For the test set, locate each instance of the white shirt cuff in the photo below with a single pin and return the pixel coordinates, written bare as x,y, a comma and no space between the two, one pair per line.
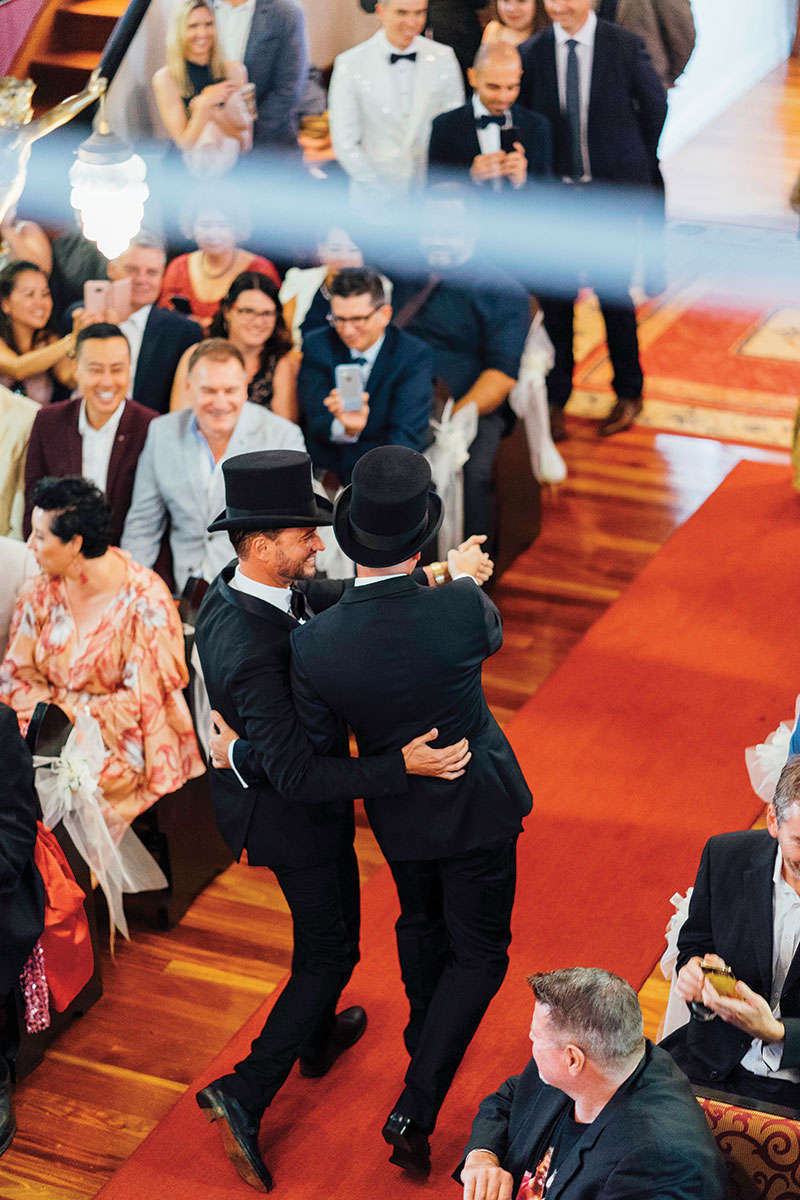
233,764
338,433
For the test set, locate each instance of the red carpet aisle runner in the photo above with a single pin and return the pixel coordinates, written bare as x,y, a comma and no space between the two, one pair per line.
634,749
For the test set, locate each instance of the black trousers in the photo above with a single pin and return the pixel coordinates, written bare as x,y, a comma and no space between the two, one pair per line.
453,935
623,346
324,903
479,503
738,1081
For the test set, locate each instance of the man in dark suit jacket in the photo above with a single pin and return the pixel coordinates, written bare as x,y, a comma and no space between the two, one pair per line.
390,655
100,435
596,85
470,136
396,372
276,58
745,913
598,1114
290,811
21,887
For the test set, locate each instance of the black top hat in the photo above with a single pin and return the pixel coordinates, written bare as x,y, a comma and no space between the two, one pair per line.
271,489
389,512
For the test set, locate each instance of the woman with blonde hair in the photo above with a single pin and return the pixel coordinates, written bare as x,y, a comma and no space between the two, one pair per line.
201,98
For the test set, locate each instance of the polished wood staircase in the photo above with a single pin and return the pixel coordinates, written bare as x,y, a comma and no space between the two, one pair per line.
64,46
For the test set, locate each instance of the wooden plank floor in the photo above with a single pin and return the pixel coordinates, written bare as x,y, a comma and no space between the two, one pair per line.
173,999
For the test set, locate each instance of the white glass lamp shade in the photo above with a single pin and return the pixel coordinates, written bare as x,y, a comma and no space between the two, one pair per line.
110,198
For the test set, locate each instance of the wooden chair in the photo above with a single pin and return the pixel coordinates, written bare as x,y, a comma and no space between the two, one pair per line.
47,734
759,1142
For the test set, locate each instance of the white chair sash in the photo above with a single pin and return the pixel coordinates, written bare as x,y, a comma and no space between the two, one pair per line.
447,454
69,791
766,761
528,399
677,1013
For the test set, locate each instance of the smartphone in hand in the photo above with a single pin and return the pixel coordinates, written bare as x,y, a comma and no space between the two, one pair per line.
349,385
508,136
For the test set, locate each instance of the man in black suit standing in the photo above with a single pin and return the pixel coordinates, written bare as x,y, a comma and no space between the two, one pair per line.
21,889
390,655
396,377
470,136
598,1112
596,85
745,914
290,811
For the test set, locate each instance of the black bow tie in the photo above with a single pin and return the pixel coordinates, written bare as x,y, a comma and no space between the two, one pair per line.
297,603
487,119
360,361
393,58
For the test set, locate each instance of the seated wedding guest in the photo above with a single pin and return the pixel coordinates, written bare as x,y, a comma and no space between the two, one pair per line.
395,372
383,95
22,898
32,355
305,291
475,318
598,1108
744,914
269,37
16,420
470,136
251,319
199,94
216,221
516,22
97,631
98,435
179,477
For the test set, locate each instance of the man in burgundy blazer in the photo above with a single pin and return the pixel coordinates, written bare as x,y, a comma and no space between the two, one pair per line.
101,434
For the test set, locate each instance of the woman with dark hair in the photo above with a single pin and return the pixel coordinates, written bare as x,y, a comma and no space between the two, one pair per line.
96,631
250,317
31,352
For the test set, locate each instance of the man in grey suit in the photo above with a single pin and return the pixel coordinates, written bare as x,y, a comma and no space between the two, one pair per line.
179,476
269,37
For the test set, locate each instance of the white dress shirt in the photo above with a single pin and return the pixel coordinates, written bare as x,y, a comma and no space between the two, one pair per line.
133,329
402,74
338,433
585,52
96,445
233,27
764,1058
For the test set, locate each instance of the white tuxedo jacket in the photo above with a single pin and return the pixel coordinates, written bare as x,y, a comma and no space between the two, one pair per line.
384,155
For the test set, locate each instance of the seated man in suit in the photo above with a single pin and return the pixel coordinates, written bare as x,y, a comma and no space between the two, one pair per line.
470,136
396,378
269,37
383,95
100,435
598,1111
745,914
179,478
596,85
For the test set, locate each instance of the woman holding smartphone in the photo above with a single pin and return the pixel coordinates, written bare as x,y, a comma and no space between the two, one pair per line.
32,356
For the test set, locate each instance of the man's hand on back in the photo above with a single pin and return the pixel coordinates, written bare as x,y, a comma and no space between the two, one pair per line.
220,736
448,762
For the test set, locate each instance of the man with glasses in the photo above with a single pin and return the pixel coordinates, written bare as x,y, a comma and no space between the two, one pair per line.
395,372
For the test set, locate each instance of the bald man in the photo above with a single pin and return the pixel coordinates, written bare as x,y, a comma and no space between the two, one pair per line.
471,136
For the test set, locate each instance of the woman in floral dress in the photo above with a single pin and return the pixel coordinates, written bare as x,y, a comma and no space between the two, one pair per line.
96,631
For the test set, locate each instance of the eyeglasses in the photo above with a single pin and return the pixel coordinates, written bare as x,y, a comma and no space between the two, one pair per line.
357,322
264,314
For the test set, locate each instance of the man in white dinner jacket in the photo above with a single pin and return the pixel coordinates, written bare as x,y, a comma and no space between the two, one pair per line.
383,96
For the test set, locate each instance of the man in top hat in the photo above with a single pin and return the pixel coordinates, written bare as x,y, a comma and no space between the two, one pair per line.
389,659
290,811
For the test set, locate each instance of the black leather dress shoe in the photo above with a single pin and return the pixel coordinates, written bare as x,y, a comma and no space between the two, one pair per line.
412,1150
348,1028
621,417
8,1125
239,1135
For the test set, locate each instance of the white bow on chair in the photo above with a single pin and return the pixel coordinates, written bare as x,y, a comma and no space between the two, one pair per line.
69,791
449,451
528,399
677,1013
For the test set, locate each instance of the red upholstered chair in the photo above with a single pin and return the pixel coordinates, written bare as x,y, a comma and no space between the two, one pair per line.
760,1144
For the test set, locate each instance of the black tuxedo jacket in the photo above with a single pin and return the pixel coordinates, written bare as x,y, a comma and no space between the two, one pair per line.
21,887
400,387
650,1142
454,140
627,104
730,914
303,816
393,660
55,448
167,335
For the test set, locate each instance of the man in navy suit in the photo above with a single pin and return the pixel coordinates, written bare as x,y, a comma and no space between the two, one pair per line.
396,373
470,136
596,85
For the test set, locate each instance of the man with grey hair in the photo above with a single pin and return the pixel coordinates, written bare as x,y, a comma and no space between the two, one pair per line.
598,1114
744,915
